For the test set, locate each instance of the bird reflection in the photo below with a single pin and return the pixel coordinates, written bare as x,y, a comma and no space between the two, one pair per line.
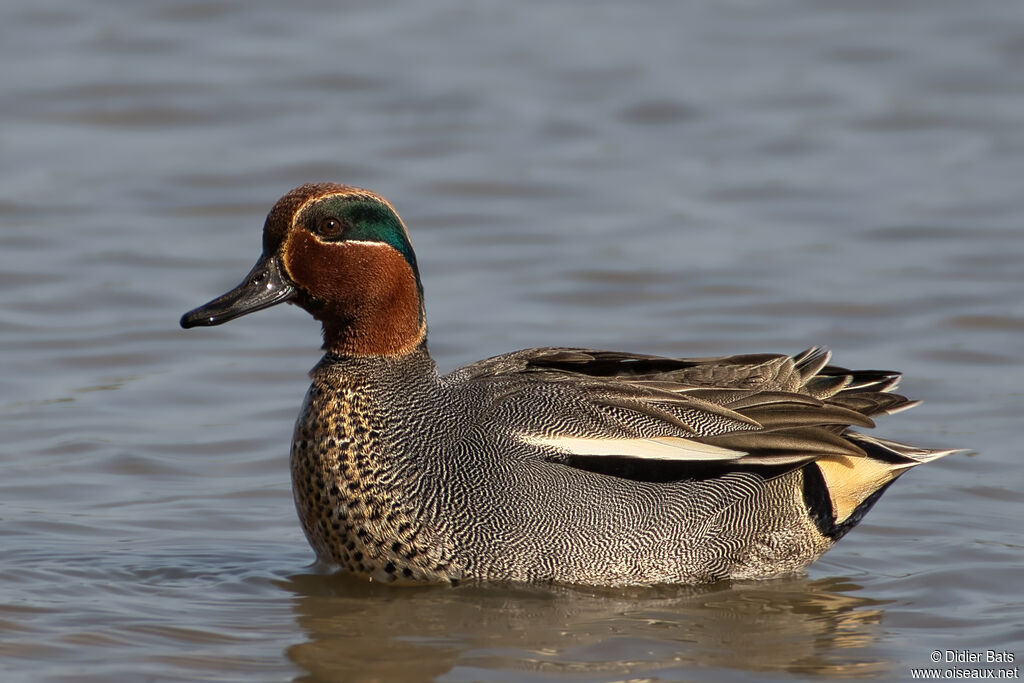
358,631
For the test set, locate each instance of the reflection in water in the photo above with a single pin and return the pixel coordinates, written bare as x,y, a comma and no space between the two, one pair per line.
365,632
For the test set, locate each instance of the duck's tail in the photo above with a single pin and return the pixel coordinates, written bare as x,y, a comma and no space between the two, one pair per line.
840,489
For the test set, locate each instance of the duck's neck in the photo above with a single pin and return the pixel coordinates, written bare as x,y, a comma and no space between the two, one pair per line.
374,332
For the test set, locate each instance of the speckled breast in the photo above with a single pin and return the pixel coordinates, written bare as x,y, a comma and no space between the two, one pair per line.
352,493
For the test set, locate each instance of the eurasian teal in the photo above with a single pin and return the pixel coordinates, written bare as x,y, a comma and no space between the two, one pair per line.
548,464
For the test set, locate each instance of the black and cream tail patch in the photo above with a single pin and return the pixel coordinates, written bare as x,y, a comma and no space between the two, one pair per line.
840,489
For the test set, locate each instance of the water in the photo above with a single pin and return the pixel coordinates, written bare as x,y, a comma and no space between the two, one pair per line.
688,179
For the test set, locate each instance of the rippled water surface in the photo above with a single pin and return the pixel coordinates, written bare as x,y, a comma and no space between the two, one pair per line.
687,179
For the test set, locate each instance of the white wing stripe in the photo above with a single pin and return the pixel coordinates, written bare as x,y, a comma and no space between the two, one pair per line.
664,448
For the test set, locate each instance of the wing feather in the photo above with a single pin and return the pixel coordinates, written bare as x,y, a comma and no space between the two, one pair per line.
683,416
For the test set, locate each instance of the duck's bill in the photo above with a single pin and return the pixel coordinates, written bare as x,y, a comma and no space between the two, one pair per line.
263,287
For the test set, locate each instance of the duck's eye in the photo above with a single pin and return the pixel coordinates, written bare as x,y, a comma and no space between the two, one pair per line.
329,227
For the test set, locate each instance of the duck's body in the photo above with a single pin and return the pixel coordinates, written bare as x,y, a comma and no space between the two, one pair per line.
563,465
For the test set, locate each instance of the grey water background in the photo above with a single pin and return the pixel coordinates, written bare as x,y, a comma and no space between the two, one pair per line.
676,178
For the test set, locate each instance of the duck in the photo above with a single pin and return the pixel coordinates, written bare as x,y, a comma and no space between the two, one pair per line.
549,465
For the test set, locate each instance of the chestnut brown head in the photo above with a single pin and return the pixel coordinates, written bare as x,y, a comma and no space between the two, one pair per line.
343,254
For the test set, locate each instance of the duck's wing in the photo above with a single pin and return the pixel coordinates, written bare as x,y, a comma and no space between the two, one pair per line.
661,418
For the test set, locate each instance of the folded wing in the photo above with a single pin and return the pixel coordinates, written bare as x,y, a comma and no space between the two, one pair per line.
655,418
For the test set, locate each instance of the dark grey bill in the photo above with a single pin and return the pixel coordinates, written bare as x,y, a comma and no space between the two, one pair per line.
263,287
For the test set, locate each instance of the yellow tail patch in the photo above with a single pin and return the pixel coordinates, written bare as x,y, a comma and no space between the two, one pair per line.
850,480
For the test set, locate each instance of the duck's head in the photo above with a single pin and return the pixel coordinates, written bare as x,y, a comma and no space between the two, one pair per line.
342,254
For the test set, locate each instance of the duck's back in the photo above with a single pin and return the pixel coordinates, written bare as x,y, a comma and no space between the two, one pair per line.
589,467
